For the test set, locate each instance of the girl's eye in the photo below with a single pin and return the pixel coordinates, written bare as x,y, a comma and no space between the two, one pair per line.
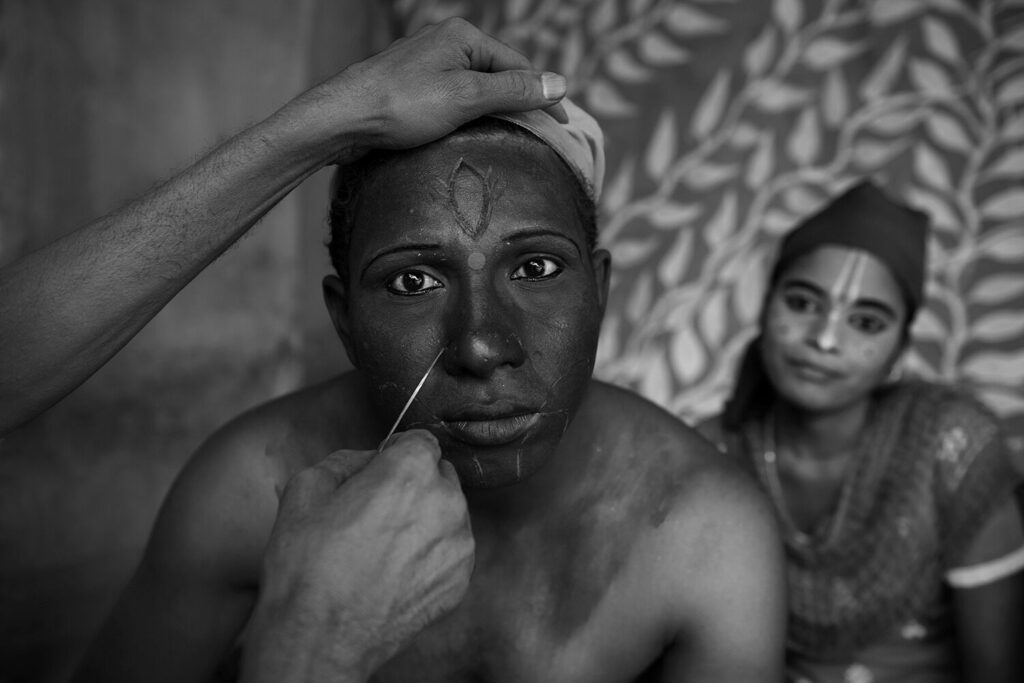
800,303
537,268
869,324
412,282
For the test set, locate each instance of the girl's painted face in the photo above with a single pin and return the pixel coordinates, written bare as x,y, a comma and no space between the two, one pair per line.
475,248
832,328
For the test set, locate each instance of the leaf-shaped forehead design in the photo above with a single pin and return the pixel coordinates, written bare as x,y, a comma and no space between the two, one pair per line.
470,193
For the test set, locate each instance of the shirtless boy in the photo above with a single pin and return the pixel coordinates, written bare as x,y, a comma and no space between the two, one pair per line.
611,544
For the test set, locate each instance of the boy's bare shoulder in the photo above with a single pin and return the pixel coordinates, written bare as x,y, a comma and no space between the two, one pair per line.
223,503
708,530
677,469
296,430
677,445
712,429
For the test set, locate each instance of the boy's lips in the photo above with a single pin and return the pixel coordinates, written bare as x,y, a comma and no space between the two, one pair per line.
490,430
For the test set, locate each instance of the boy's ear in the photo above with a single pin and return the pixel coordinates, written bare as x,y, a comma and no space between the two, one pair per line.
336,299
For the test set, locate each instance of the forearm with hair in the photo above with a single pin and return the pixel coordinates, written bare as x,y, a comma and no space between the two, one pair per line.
68,307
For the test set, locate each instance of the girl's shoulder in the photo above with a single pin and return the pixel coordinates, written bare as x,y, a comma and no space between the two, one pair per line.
946,423
945,404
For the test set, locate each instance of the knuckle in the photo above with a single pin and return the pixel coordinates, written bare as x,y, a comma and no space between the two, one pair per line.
507,85
412,466
418,441
468,547
458,518
458,553
448,472
457,504
423,437
467,89
402,464
520,85
457,24
449,516
413,458
304,480
421,453
465,564
343,464
387,466
428,28
300,489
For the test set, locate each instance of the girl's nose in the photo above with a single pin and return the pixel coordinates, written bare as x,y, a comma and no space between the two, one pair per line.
825,334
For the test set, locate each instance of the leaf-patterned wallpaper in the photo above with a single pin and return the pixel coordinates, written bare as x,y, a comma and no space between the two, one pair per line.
727,121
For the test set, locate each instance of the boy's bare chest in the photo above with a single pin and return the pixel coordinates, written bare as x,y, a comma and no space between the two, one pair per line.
536,610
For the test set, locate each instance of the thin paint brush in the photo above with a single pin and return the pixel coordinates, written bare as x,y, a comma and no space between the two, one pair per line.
411,399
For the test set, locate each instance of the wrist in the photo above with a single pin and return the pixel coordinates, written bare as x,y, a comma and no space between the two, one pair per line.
296,641
325,127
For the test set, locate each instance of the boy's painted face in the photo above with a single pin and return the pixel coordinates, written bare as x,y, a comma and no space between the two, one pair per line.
832,328
474,247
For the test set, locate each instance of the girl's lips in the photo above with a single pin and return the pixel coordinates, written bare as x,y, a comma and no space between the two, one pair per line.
812,372
491,431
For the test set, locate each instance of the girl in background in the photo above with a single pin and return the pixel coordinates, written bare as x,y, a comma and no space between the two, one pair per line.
904,544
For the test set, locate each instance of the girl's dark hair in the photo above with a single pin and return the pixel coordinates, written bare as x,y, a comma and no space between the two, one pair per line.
350,182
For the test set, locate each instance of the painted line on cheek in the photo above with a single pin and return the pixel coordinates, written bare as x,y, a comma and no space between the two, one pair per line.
551,387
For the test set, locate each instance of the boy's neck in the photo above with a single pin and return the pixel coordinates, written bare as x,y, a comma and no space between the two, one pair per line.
516,503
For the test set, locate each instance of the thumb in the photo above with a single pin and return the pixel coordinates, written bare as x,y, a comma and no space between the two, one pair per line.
341,465
322,479
515,90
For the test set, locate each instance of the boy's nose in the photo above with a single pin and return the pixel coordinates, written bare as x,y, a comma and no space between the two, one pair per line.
481,341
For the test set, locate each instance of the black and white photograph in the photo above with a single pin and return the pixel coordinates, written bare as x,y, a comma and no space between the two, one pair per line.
512,341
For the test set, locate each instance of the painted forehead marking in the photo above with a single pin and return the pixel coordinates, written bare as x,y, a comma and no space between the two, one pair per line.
476,260
470,194
850,280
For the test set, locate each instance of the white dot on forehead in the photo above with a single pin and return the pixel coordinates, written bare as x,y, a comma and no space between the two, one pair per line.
476,260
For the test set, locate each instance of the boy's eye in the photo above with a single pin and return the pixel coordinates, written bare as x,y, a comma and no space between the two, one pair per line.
800,303
869,324
537,268
412,282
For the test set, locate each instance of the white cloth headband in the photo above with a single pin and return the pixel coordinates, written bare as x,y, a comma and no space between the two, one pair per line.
579,142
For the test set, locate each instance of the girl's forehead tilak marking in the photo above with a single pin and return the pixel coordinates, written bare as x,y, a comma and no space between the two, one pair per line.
850,280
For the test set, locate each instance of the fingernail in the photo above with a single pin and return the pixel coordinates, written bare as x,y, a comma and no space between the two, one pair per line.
552,85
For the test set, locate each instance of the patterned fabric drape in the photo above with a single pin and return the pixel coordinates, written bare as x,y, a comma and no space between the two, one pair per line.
728,121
